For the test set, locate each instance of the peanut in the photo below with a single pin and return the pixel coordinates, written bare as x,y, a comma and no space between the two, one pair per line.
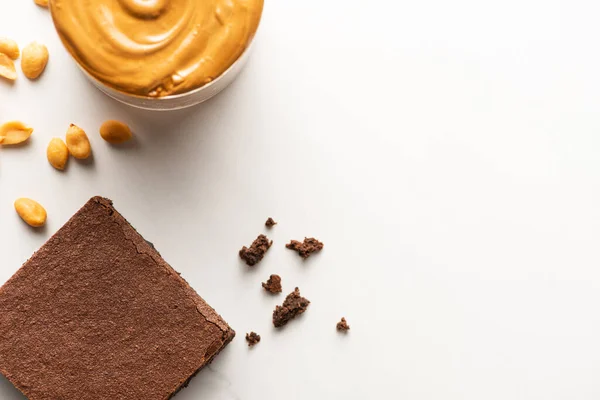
78,142
9,47
31,212
14,132
115,132
57,153
34,60
41,3
7,68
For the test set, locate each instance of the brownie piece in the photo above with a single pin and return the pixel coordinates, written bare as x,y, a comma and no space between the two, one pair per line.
270,223
252,338
306,248
343,326
257,250
293,305
273,284
97,314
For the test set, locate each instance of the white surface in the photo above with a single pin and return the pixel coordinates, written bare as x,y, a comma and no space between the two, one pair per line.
446,152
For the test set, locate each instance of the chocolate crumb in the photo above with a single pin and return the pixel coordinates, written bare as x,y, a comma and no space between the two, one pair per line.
252,338
306,248
273,285
270,223
293,306
343,326
257,250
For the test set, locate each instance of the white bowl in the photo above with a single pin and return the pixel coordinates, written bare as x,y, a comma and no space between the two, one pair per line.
175,101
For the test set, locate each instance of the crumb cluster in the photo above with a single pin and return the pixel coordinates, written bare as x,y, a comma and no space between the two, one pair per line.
307,248
257,250
293,305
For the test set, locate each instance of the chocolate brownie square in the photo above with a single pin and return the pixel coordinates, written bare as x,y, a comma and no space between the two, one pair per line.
97,314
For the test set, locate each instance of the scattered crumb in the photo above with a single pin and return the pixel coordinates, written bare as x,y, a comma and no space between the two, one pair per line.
252,338
310,245
293,306
343,326
273,285
270,223
257,250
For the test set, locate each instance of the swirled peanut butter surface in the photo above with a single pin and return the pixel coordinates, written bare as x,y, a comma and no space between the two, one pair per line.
156,47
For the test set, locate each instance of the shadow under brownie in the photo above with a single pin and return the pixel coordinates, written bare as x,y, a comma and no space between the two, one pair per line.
97,313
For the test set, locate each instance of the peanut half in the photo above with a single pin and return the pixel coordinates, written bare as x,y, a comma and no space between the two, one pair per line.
7,68
14,132
41,3
34,60
57,153
115,132
31,212
9,47
78,142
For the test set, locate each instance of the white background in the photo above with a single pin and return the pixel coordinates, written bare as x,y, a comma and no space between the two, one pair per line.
446,152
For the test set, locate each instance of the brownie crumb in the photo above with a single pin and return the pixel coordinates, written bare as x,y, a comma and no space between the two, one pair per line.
252,338
293,306
257,250
270,223
273,285
306,248
343,326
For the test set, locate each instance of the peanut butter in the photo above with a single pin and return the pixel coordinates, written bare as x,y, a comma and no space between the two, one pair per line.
156,48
